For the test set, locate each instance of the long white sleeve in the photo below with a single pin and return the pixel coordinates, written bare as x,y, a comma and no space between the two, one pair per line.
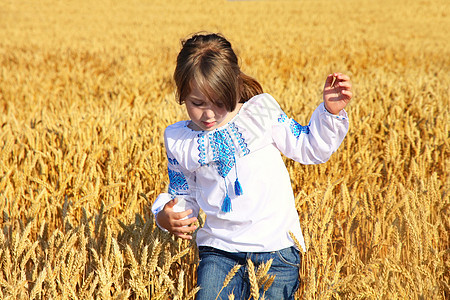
314,143
182,186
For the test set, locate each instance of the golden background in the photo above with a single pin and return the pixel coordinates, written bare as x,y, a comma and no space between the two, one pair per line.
85,95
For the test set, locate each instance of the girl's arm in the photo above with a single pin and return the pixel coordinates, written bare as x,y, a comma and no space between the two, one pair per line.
327,128
169,214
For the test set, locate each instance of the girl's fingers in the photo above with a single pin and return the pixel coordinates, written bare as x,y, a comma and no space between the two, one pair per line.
184,223
347,93
188,229
189,221
184,232
183,214
341,76
344,84
337,80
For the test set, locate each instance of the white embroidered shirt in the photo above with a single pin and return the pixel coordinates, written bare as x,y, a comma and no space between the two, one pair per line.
204,166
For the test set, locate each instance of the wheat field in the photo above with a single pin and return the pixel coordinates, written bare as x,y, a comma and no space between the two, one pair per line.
86,93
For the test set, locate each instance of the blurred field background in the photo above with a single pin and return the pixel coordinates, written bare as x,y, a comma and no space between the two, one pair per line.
85,95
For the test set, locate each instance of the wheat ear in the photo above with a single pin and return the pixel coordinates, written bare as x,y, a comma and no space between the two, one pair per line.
254,289
228,278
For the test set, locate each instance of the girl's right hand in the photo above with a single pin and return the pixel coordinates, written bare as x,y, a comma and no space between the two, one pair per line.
175,222
337,92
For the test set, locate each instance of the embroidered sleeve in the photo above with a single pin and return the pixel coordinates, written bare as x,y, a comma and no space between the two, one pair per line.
182,185
313,143
178,183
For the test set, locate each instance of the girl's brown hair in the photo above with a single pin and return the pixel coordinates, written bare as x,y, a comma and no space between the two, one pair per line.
211,62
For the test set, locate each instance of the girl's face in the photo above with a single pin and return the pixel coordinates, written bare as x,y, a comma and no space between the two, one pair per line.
203,113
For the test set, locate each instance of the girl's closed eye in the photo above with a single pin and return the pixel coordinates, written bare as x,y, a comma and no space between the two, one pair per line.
220,105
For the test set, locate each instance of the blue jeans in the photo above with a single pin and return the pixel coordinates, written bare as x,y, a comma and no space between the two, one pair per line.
215,264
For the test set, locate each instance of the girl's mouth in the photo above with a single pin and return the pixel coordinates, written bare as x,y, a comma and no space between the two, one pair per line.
209,124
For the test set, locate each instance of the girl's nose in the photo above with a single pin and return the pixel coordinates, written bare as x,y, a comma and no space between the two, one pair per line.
208,113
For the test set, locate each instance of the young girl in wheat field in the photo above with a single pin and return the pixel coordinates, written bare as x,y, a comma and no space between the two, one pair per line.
226,160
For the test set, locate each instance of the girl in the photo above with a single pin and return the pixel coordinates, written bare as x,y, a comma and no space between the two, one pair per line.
226,160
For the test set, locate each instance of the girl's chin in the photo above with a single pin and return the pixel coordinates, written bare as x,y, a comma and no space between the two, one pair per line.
204,126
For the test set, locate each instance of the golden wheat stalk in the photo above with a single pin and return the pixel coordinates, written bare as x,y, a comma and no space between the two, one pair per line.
254,288
228,278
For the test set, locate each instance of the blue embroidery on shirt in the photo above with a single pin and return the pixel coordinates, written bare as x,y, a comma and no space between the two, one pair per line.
223,148
223,151
201,149
173,161
240,139
295,127
178,183
283,118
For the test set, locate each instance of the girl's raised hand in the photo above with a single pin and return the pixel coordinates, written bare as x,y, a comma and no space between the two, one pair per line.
176,222
337,92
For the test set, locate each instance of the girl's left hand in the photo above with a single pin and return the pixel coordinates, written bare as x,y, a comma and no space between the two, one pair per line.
337,94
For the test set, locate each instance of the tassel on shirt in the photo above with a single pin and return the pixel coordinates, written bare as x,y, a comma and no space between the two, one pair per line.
237,185
226,205
238,188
